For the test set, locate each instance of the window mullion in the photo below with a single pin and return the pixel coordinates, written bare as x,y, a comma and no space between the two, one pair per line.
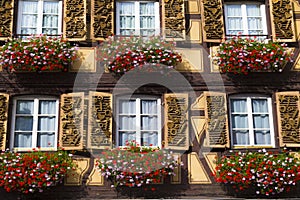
250,123
40,17
137,18
35,123
244,19
159,121
138,121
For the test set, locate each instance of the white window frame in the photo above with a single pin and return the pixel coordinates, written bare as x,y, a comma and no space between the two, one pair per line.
244,16
138,118
249,99
137,30
39,27
36,100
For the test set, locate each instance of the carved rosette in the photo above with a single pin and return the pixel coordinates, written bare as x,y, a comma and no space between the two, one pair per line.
102,19
100,120
75,20
212,20
71,121
174,20
282,20
6,18
176,118
3,119
288,116
217,122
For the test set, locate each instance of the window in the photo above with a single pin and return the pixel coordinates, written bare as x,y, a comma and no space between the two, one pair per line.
251,121
139,119
245,19
137,18
34,123
39,16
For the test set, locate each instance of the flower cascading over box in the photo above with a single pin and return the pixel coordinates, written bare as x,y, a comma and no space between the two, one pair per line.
37,53
240,55
136,166
122,54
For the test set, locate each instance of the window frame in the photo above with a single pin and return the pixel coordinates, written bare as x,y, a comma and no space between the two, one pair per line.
139,130
244,16
39,26
250,127
36,100
137,30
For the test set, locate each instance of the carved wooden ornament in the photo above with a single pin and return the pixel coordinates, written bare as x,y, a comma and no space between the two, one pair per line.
100,120
102,19
4,101
71,121
288,106
216,119
74,23
282,18
176,121
6,18
212,20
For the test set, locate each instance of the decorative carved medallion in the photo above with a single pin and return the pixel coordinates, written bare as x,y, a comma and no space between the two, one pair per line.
100,120
212,20
71,121
174,19
288,114
216,116
6,18
177,135
3,119
102,19
283,20
75,20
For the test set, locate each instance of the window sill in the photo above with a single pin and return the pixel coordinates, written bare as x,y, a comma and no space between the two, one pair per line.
253,146
34,149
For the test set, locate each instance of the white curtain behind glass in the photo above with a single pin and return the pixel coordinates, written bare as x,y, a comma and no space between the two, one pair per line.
149,122
127,121
29,17
234,21
254,20
127,18
147,18
239,119
50,18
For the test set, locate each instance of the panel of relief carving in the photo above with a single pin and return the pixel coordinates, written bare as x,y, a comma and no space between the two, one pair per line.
212,20
100,120
75,20
71,121
102,19
3,119
174,20
216,116
288,114
176,119
6,18
282,20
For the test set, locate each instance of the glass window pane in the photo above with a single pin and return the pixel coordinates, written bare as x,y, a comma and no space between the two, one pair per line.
261,121
262,137
239,121
24,107
47,107
23,140
46,124
149,107
147,8
24,123
150,139
125,137
238,105
260,105
234,10
253,10
149,123
46,139
127,106
127,123
241,138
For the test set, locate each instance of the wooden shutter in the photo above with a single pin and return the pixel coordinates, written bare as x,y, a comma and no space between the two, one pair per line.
6,18
216,119
282,20
102,19
173,19
176,121
212,20
74,23
100,120
71,121
288,105
4,101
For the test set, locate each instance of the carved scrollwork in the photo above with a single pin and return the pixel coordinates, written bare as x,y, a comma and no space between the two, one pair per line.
75,19
212,19
102,19
3,119
174,19
6,18
283,21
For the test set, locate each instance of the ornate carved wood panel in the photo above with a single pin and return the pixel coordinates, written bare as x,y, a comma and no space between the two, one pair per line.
100,120
71,121
283,26
288,118
102,19
212,20
176,119
4,98
173,19
6,18
217,122
75,20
